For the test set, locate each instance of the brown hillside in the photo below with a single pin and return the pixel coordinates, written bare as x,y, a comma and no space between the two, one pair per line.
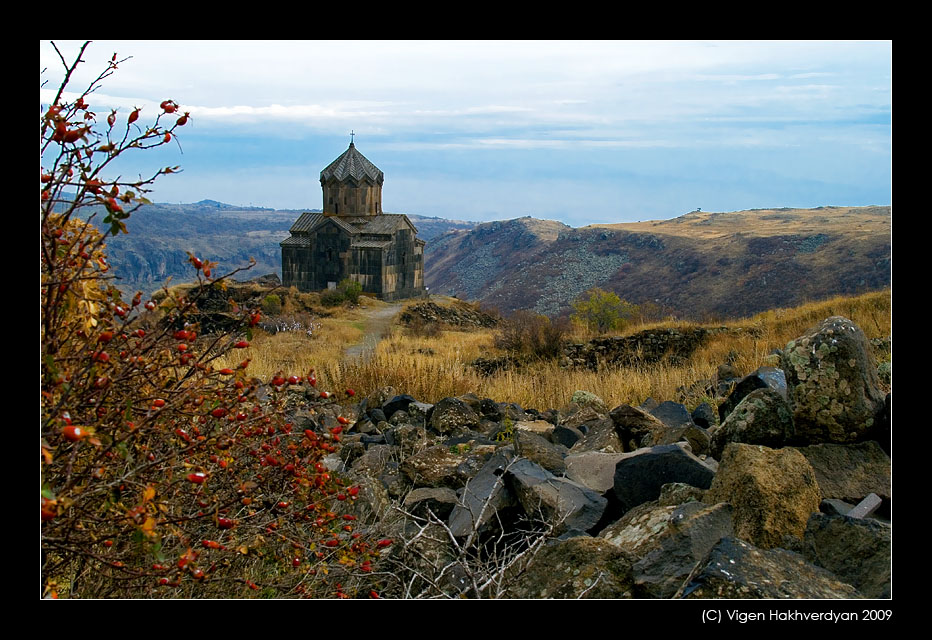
699,265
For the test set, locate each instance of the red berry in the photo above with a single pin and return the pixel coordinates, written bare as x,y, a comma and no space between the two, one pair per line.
73,433
197,478
242,344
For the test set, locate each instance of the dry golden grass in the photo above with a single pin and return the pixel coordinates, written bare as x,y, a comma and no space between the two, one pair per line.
432,368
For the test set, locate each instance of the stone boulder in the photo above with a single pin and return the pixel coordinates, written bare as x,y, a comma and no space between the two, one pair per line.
672,414
424,501
691,531
541,451
850,472
833,385
435,466
735,569
600,436
773,492
637,428
579,567
543,496
762,417
640,477
483,497
452,416
764,378
857,550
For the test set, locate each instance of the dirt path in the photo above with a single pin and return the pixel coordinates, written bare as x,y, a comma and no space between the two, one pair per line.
378,322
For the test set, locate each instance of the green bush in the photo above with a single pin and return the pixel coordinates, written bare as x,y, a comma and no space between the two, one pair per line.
603,311
350,290
272,304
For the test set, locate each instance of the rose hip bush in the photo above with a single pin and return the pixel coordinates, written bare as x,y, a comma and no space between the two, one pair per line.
162,475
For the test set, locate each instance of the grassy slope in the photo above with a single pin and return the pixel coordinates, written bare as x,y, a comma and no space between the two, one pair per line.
431,368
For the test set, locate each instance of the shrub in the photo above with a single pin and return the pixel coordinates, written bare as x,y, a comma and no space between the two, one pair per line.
350,290
162,475
603,311
532,334
272,304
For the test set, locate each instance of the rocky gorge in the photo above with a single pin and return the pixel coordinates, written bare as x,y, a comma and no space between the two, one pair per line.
781,490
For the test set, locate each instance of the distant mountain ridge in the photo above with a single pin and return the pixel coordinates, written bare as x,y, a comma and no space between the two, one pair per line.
161,234
699,265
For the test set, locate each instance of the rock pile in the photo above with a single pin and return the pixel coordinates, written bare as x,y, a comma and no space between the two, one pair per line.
461,315
790,491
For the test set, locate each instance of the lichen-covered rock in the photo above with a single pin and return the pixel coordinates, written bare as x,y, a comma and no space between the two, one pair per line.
587,398
773,492
762,378
736,569
857,550
762,417
600,436
541,451
850,472
832,383
452,416
637,428
580,567
434,467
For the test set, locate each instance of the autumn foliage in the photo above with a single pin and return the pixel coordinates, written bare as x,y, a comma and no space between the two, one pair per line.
161,474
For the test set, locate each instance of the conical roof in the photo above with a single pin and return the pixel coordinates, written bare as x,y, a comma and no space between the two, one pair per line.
352,164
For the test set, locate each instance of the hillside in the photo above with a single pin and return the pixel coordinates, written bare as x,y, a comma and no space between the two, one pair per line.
701,264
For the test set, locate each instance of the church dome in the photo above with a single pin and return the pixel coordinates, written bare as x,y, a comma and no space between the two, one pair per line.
352,164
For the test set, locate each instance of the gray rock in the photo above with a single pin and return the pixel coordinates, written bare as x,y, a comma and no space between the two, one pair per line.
833,384
736,569
397,403
483,497
451,416
850,472
705,416
541,451
693,530
600,436
762,417
578,567
637,428
640,477
763,378
672,414
566,435
856,550
593,469
554,500
438,500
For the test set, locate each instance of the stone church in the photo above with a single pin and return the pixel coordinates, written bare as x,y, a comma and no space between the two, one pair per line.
352,238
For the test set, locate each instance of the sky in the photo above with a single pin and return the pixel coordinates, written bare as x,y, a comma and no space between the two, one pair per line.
579,131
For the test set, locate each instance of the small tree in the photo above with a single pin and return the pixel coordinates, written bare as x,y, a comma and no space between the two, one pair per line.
350,290
602,311
162,475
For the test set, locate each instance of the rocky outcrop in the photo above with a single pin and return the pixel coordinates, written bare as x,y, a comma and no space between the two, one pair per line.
494,500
